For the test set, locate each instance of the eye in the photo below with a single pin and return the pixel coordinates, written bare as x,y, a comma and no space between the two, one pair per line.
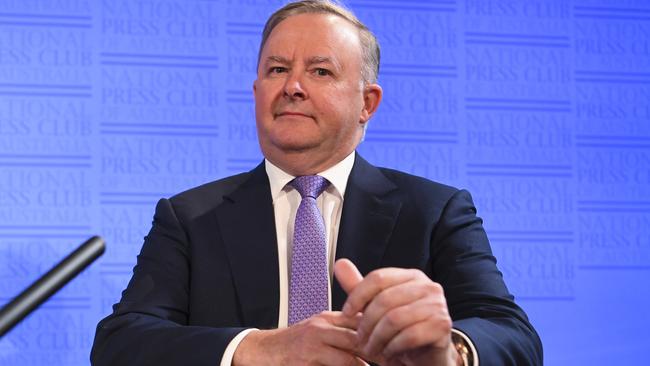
277,70
322,72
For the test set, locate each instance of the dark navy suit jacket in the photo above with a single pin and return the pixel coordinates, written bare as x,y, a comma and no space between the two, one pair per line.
209,268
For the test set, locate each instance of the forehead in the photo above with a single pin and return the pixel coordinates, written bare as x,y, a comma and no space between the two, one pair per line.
313,35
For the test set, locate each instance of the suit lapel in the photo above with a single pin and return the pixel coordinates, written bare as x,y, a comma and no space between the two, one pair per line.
367,221
247,225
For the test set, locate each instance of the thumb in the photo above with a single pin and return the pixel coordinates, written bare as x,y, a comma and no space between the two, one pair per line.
347,274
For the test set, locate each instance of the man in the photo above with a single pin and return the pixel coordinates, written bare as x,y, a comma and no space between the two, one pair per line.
219,273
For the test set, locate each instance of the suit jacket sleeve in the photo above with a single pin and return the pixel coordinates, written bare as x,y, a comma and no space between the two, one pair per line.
151,324
477,297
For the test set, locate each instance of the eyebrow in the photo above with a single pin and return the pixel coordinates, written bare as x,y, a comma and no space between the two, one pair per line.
319,60
278,59
311,61
324,60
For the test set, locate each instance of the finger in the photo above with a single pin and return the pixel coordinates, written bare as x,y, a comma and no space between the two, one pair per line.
347,274
339,319
396,296
374,283
341,338
397,320
331,356
435,333
335,329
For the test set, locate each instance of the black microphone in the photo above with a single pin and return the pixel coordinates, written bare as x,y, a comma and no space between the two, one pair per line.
49,283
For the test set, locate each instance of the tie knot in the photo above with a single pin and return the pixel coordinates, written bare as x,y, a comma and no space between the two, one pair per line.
310,185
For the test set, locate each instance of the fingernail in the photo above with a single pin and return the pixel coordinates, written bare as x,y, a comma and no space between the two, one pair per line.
347,309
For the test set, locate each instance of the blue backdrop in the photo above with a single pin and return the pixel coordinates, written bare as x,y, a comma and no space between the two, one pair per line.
540,108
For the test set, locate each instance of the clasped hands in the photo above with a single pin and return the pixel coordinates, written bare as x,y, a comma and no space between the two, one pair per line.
392,317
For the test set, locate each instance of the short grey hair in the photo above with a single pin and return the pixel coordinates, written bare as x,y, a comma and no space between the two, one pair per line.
369,44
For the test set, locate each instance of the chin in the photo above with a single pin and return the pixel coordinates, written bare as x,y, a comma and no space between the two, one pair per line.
297,139
295,146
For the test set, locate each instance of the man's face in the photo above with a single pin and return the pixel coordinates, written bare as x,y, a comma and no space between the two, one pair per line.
310,101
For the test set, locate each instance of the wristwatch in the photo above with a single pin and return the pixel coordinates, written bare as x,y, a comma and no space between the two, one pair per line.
463,349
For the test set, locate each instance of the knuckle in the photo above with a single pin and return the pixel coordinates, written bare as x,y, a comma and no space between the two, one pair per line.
416,273
393,318
354,301
445,324
435,287
440,310
382,300
326,314
377,277
411,337
313,323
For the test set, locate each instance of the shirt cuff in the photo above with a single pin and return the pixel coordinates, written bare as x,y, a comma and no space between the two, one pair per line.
469,344
226,359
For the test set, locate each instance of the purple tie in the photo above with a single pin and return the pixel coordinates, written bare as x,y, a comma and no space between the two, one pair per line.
308,283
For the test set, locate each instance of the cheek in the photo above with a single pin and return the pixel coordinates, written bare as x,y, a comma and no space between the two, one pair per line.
265,95
339,101
263,106
345,109
351,99
262,116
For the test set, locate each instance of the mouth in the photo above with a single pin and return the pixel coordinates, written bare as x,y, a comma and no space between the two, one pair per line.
291,114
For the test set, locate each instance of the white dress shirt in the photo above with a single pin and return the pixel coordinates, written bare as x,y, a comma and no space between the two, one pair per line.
286,200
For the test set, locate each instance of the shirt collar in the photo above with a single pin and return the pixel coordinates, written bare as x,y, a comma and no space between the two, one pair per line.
337,175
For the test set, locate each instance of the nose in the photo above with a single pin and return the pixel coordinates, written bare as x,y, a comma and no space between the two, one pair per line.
293,88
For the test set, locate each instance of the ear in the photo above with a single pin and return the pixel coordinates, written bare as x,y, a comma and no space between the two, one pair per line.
372,94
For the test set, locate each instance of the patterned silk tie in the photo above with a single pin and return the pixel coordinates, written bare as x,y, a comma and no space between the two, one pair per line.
308,284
